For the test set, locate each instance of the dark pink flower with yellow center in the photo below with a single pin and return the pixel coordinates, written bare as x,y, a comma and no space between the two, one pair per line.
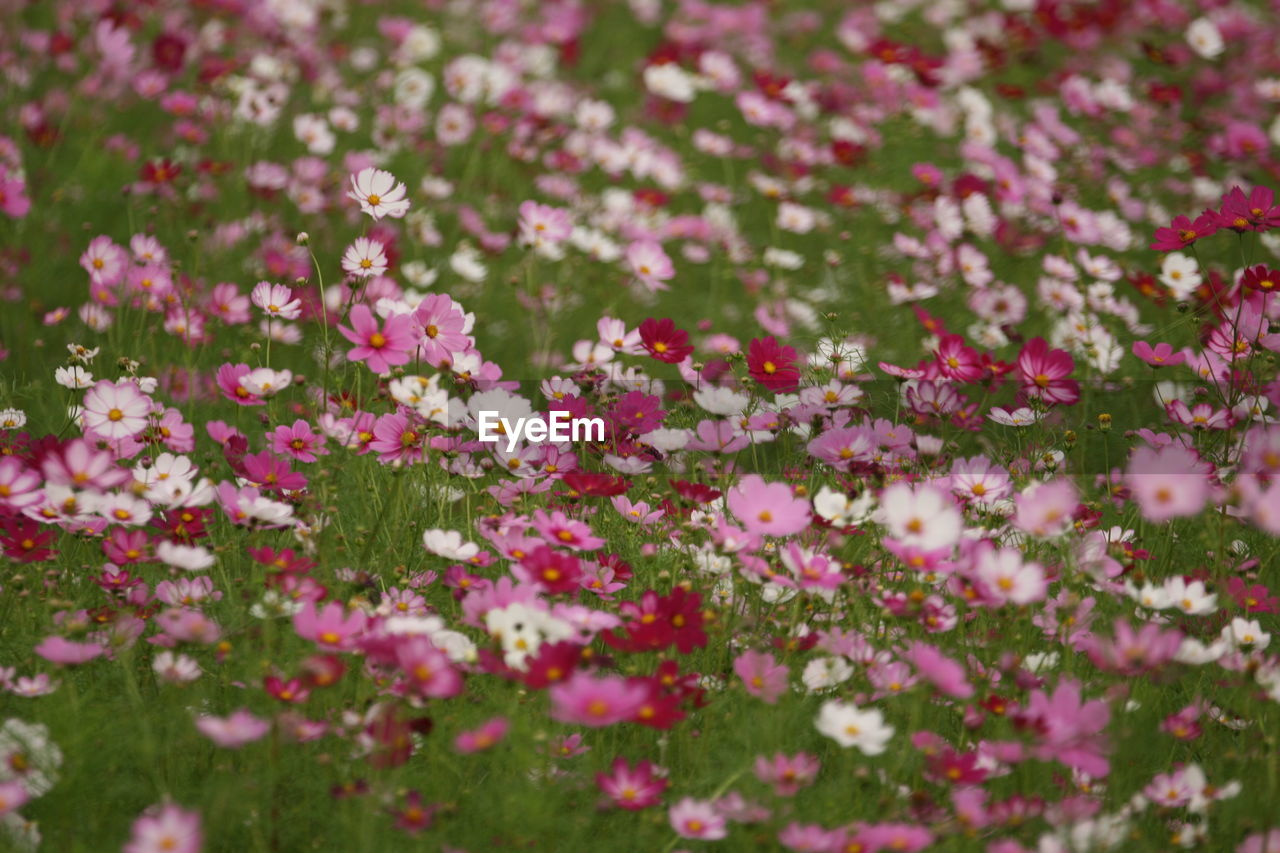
1043,373
380,347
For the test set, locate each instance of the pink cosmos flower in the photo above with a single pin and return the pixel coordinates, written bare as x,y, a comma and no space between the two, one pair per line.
1045,510
699,819
228,379
298,441
1043,373
428,671
1261,842
116,410
979,479
787,773
650,264
444,328
13,796
181,625
1133,652
228,304
1069,729
330,627
541,224
1005,578
166,829
939,670
631,788
19,485
105,262
762,675
276,300
564,532
397,439
921,516
843,446
234,731
768,509
907,838
63,651
381,348
489,734
1168,482
1161,355
364,258
597,702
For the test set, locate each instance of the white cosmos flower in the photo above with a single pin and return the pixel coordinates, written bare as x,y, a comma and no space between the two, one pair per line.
670,81
1246,632
1181,274
264,382
721,401
191,558
449,544
822,673
842,510
849,725
74,377
27,754
1205,39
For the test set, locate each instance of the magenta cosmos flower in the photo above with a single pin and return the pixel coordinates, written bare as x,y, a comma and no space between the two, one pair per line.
1161,355
1044,371
589,701
116,410
330,627
768,509
380,347
631,788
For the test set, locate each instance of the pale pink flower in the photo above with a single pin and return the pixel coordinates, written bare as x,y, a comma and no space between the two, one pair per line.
234,731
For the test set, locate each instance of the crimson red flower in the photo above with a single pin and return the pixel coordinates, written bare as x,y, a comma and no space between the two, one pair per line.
1261,278
661,621
956,768
772,364
659,710
553,663
664,341
25,540
159,171
696,492
586,484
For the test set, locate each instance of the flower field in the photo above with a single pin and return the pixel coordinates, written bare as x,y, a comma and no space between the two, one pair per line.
929,491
